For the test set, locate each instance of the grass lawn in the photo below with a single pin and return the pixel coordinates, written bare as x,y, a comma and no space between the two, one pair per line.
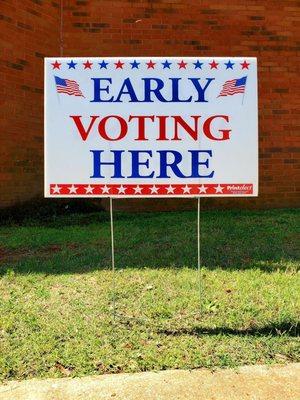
56,297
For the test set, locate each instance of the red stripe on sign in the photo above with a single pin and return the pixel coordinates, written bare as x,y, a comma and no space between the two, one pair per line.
79,189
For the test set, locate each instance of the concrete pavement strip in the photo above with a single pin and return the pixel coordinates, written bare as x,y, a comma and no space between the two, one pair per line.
259,382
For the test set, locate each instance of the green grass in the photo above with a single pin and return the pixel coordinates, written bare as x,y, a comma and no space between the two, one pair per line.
56,293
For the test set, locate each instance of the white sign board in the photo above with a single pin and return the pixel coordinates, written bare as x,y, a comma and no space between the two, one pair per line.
151,127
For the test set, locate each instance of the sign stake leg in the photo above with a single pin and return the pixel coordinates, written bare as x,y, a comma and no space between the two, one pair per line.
199,255
112,257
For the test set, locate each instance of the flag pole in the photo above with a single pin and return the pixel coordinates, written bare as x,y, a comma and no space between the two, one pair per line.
244,91
243,97
57,94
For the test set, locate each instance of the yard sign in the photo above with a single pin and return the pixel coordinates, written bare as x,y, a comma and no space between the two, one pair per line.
151,127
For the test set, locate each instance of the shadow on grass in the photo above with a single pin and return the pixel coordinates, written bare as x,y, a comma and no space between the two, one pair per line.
291,329
235,240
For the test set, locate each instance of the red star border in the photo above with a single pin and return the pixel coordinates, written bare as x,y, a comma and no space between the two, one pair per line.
150,189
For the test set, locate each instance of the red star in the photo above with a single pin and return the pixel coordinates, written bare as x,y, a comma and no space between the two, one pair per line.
119,64
150,64
213,65
56,65
182,64
245,65
87,65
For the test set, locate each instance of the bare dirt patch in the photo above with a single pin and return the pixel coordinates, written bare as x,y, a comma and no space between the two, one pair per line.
14,255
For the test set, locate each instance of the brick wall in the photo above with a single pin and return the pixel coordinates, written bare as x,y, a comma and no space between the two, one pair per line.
28,32
265,29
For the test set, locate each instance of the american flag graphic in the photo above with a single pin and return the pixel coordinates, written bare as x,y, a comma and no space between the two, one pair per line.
67,86
233,86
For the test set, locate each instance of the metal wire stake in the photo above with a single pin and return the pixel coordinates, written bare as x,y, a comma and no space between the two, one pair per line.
112,256
199,254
